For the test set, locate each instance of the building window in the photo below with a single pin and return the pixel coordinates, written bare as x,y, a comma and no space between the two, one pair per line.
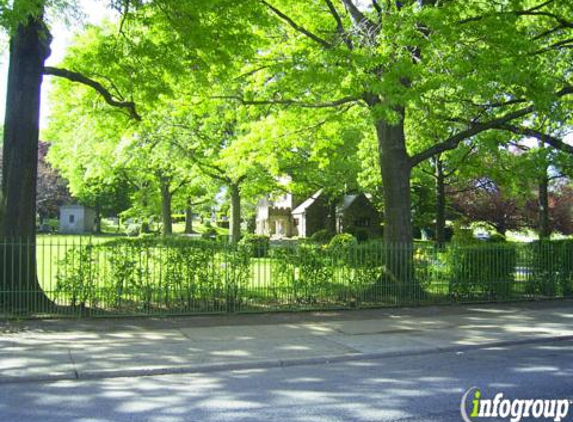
362,222
72,219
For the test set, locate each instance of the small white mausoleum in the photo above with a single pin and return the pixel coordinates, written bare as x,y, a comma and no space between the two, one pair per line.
76,219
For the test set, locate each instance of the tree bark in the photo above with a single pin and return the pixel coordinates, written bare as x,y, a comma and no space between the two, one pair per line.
501,228
235,223
166,200
188,217
398,233
331,225
29,48
97,211
440,202
396,172
544,225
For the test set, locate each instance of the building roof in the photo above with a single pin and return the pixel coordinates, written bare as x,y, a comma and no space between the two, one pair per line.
301,209
72,206
346,202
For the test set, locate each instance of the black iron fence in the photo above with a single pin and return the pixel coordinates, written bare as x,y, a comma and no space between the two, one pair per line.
103,276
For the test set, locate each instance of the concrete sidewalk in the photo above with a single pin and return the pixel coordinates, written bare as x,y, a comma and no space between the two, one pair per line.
70,349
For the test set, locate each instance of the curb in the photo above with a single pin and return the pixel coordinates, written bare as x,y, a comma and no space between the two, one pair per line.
268,364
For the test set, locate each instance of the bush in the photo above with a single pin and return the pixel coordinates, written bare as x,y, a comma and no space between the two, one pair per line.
155,273
77,276
133,230
464,237
257,245
209,233
301,273
341,241
322,236
551,268
481,271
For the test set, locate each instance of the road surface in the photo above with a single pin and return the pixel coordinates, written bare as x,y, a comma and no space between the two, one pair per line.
428,387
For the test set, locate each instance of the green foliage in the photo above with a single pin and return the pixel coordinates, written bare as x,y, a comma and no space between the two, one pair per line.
77,276
301,272
257,245
149,273
483,272
342,241
321,236
346,271
210,233
463,237
551,264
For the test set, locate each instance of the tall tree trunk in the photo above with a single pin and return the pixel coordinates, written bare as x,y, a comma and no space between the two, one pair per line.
235,224
97,211
166,200
29,48
396,172
440,202
544,226
188,217
145,226
398,233
331,225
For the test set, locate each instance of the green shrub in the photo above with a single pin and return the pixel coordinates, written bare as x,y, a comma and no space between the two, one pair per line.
301,273
322,236
341,241
257,245
209,233
464,237
77,276
155,273
283,270
126,272
551,268
481,271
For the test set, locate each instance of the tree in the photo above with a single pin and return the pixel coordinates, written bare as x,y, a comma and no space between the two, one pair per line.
396,61
317,153
489,204
29,48
52,190
213,136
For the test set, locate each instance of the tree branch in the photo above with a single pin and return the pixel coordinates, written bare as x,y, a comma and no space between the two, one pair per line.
475,129
296,26
107,96
554,141
302,104
360,20
339,24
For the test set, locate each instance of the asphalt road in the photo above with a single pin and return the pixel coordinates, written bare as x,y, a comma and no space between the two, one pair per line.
419,388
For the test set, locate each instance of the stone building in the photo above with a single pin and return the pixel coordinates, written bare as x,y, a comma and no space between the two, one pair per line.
356,214
76,219
274,216
312,215
285,218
